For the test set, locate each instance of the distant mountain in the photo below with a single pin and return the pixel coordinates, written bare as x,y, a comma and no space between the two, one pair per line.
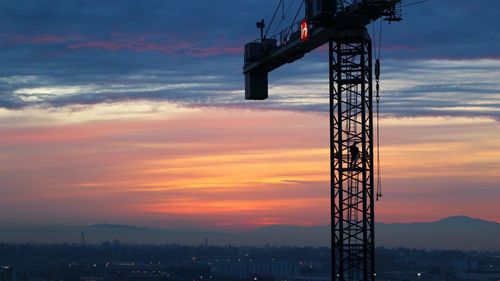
450,233
116,226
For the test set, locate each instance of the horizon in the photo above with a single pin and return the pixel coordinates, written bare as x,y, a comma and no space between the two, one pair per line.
475,235
6,225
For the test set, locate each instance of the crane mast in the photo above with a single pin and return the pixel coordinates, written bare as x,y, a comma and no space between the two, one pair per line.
342,26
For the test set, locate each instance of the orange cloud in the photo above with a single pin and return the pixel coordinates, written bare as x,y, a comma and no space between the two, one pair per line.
234,168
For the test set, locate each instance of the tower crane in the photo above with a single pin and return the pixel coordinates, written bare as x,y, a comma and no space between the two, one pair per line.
342,25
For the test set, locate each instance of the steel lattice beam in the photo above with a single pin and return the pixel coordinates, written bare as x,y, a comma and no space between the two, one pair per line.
351,124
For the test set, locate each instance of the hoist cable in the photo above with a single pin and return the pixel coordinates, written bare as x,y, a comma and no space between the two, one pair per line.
414,3
377,79
284,13
379,40
295,18
379,170
274,16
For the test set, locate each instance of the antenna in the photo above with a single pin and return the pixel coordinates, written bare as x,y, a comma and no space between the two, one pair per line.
261,25
84,243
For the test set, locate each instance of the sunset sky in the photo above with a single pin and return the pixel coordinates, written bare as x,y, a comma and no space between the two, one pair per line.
133,112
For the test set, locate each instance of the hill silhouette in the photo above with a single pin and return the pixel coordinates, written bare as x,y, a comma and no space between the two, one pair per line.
459,232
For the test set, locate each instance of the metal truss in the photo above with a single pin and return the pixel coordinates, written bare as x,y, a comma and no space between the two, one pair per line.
351,125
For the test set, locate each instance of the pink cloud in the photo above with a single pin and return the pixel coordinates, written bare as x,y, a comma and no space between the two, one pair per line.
162,43
214,51
140,45
43,39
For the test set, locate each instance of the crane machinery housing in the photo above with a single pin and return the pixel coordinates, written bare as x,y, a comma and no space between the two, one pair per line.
341,24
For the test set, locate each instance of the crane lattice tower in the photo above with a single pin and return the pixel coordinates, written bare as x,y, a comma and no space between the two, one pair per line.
341,25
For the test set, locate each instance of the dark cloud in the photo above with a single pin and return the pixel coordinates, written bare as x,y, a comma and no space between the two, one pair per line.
445,29
60,53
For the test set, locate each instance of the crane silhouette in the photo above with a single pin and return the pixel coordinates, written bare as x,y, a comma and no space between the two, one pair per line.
341,25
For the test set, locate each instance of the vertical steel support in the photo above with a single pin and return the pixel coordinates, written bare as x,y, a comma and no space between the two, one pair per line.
351,125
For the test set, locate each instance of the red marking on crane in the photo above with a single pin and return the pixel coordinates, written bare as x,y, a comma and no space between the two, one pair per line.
304,31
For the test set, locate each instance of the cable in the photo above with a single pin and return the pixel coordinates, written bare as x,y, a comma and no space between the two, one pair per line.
414,3
379,40
374,39
377,51
377,80
284,13
295,18
274,16
379,170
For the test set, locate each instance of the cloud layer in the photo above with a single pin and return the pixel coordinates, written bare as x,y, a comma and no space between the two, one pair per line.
67,53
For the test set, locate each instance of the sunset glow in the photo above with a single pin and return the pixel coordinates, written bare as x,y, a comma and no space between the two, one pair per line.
234,169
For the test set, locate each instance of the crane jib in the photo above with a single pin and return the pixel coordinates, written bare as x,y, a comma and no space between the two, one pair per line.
323,21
